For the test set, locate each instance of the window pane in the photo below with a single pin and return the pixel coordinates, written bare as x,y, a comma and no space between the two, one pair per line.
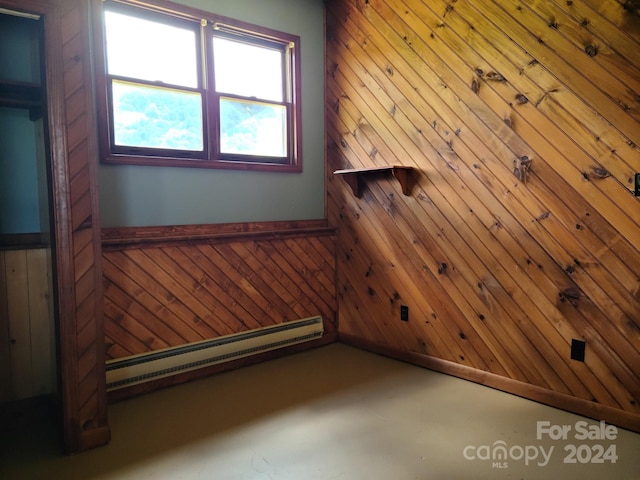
150,51
156,117
251,128
248,70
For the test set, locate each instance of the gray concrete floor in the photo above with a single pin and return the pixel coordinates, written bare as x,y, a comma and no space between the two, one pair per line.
330,413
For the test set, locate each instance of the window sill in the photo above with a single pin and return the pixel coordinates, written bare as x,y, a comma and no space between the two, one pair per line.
200,163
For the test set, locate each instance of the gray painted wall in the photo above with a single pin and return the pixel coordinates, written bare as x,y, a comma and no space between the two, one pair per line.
144,196
20,194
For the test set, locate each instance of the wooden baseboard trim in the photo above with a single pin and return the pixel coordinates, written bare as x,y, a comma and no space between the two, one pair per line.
144,388
93,437
562,401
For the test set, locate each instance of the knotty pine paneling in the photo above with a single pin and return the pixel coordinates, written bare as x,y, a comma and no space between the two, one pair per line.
169,286
522,123
27,369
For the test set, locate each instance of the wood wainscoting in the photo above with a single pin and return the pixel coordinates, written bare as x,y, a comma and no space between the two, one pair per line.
170,286
521,233
27,354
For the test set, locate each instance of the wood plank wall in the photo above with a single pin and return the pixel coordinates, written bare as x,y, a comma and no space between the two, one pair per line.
169,286
26,325
521,233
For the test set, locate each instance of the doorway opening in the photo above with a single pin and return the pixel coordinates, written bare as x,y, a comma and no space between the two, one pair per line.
28,372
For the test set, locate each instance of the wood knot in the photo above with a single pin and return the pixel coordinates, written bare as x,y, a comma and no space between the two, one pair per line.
475,85
632,6
521,168
334,69
571,295
495,77
591,50
599,172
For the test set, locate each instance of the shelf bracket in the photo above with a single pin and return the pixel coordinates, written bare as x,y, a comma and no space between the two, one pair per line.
355,177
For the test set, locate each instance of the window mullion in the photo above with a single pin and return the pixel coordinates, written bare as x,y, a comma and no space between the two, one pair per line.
287,73
213,110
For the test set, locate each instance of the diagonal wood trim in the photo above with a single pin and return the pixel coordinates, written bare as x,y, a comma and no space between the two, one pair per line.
166,286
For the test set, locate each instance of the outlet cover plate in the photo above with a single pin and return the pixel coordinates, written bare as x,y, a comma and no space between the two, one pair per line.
577,349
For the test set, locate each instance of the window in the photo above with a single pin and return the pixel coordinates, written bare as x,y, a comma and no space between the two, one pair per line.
183,88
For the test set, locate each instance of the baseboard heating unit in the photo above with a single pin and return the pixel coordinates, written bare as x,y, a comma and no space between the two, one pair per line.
123,372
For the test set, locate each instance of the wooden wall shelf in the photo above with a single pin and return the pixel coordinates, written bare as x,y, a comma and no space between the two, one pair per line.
22,95
355,177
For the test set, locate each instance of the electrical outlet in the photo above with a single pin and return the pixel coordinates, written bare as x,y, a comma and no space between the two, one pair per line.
404,313
577,349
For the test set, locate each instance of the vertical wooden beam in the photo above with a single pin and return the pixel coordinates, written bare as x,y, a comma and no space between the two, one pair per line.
81,357
77,249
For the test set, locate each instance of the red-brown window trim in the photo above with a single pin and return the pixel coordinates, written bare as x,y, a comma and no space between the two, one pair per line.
181,12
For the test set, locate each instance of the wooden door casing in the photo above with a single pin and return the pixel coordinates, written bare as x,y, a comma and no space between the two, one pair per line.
76,247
